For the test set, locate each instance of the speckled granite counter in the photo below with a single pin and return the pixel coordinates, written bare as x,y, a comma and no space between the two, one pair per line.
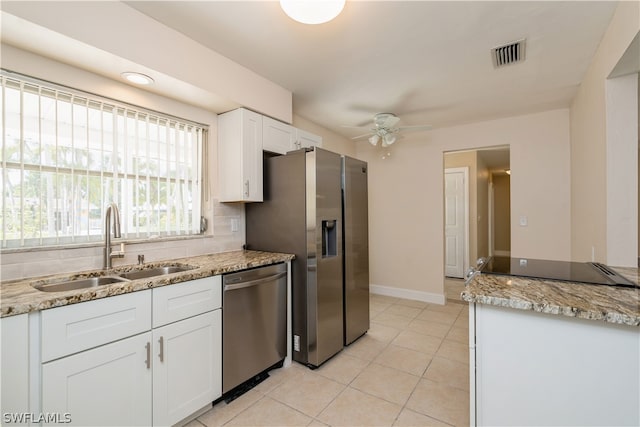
595,302
19,296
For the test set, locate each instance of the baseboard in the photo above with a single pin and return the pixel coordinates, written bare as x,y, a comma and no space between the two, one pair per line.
407,294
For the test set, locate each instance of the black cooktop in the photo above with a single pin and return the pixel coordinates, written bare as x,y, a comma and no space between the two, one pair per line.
583,272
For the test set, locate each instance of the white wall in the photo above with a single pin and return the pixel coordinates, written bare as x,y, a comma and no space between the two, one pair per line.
589,222
406,198
219,238
622,169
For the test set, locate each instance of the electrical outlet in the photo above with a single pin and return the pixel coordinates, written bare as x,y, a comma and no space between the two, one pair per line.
296,343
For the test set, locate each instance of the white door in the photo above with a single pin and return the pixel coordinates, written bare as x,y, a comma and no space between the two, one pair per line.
108,385
455,221
187,369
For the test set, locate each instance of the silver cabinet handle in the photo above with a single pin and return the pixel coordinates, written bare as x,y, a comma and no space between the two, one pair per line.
161,341
246,188
148,361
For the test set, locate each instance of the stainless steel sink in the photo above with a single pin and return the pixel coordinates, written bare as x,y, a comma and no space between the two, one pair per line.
154,271
91,282
71,285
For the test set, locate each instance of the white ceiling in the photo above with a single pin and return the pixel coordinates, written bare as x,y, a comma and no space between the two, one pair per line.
429,62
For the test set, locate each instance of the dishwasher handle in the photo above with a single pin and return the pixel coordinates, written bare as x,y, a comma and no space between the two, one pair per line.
254,282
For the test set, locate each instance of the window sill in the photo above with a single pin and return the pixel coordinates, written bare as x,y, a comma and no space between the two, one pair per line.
114,242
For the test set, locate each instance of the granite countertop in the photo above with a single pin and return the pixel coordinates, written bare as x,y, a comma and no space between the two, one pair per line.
19,296
585,301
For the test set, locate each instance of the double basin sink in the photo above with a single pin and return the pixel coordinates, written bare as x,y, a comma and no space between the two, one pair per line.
91,282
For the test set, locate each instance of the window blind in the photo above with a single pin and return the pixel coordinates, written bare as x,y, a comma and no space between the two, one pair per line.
66,154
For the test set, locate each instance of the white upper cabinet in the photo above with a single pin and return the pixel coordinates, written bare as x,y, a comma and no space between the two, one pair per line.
281,138
240,156
277,137
242,136
306,139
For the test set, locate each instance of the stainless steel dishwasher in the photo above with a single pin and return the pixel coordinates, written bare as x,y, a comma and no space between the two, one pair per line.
254,323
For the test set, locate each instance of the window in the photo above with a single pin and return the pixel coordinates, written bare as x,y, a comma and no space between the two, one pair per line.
67,154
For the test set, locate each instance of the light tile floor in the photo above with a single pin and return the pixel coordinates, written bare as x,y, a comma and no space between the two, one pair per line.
410,369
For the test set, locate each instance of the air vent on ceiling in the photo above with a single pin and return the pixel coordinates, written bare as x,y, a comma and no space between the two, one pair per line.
508,54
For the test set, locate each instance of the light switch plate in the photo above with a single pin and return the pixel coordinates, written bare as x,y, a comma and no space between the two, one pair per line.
523,221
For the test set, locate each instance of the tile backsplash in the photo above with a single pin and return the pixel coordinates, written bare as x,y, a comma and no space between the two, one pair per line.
219,238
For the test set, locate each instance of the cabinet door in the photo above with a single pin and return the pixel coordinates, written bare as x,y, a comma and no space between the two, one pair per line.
15,364
187,372
240,156
108,385
306,139
277,137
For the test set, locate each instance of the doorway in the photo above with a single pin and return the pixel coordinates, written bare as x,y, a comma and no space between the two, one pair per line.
476,224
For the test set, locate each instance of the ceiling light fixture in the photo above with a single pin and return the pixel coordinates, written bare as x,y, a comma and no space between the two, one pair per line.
383,135
137,78
388,139
312,11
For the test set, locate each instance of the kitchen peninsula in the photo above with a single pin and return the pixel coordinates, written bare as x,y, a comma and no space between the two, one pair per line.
550,352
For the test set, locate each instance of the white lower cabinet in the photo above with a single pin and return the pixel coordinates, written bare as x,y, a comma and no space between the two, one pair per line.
186,367
109,385
535,369
130,377
14,331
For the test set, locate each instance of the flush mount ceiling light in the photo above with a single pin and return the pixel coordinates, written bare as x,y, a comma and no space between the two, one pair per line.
312,11
137,78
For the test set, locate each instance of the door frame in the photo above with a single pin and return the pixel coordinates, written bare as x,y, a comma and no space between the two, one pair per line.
465,255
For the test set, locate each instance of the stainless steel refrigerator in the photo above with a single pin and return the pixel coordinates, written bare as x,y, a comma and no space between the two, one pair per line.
302,213
356,248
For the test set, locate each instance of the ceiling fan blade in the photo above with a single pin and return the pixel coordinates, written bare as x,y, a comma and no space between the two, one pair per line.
362,136
414,128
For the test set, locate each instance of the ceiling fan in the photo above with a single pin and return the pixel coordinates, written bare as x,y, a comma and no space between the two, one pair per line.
385,130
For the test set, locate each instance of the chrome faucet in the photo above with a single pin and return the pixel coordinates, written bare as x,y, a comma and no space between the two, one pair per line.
107,252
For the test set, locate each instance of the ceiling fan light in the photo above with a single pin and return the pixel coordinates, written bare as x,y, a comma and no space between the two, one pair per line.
312,11
389,139
373,140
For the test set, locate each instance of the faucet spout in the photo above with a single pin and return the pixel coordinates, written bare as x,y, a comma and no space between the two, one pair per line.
112,209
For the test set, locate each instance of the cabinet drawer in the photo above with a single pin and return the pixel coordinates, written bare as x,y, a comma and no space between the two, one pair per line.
177,302
70,329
